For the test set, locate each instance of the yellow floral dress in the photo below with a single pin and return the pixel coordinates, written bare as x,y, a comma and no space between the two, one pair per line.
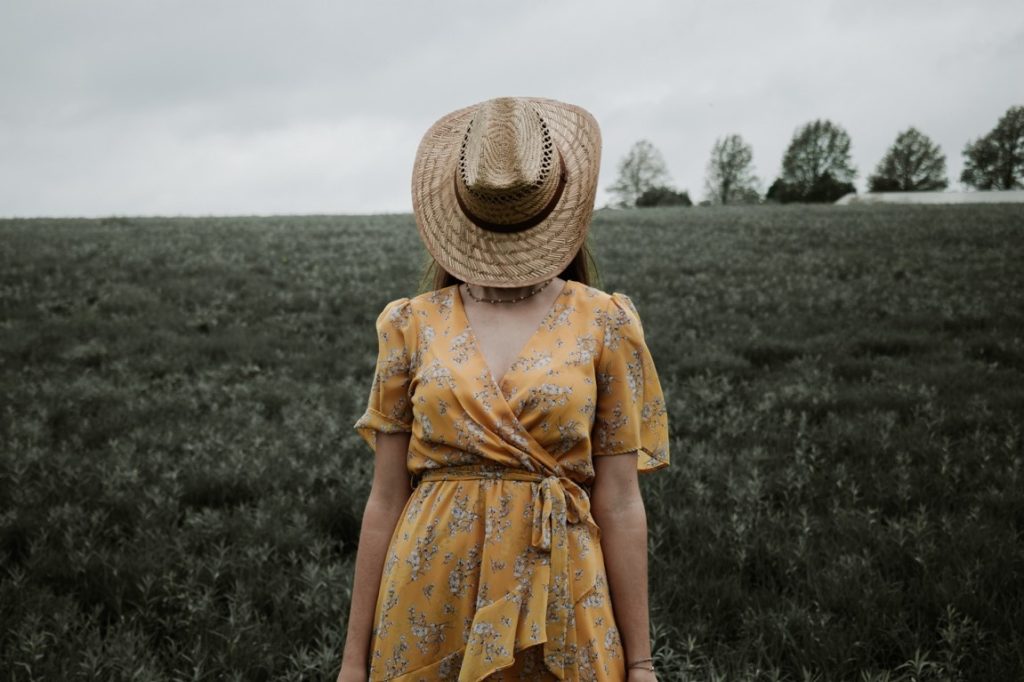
495,569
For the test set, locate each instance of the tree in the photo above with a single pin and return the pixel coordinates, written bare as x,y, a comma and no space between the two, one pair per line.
816,166
823,190
996,161
640,170
664,196
730,177
914,163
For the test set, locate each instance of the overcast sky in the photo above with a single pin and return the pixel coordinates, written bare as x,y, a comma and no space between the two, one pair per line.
229,107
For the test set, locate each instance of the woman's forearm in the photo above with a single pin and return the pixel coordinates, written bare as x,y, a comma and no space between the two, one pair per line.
379,520
624,545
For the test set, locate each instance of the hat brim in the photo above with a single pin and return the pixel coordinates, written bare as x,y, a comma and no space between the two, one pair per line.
487,258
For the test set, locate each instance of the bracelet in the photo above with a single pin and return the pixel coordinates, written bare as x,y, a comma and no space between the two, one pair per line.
642,660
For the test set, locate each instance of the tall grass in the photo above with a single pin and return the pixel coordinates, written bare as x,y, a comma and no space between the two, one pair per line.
181,489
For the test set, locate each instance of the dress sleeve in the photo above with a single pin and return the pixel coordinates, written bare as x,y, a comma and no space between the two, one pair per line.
630,414
389,409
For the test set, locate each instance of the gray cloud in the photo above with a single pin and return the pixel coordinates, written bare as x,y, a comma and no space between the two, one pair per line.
307,107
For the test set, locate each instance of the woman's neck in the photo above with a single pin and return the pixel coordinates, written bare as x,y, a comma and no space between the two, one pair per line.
504,293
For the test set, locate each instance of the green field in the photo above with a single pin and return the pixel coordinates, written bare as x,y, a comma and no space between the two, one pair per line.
181,488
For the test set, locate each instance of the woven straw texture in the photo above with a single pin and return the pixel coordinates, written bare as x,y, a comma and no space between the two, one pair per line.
502,161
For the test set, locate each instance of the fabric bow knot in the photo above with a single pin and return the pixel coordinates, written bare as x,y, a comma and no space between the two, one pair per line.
561,501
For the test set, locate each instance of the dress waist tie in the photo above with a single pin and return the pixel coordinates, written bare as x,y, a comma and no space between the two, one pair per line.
562,501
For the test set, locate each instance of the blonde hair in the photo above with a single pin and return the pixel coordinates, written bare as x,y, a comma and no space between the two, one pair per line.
582,268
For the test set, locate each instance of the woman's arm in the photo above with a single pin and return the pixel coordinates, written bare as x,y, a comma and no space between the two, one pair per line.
388,494
618,508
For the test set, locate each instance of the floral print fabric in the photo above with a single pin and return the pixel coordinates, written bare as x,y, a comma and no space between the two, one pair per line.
493,573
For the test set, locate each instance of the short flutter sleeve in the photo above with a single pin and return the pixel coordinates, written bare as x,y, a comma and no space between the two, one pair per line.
389,409
631,414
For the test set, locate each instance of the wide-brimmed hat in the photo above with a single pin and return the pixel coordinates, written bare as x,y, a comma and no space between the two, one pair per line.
503,190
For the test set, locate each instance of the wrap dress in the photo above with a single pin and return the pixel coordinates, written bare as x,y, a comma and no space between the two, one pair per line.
495,569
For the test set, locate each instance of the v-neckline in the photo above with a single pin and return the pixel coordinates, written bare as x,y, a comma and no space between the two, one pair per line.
478,350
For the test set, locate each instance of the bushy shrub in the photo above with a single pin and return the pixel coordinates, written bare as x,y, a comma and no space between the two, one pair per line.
664,196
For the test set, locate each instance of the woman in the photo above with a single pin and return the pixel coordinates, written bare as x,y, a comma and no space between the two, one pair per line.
512,407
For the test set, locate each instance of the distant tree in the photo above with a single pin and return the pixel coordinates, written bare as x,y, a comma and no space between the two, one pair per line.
664,196
996,161
640,170
823,190
816,166
778,191
746,195
914,163
730,178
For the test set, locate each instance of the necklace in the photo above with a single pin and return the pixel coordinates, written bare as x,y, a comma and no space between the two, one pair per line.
507,300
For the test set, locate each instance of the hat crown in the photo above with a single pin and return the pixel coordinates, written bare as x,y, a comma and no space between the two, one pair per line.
509,168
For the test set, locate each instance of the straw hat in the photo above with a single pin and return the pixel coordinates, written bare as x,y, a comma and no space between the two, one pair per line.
503,190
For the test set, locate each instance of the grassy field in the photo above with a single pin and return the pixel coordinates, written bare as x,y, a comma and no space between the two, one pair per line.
181,488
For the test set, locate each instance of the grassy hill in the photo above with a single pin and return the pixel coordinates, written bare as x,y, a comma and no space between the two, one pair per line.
181,489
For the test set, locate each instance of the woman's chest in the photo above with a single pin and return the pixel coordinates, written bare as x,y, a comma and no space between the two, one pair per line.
549,387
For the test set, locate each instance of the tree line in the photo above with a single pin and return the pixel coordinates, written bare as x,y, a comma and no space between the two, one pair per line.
816,167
